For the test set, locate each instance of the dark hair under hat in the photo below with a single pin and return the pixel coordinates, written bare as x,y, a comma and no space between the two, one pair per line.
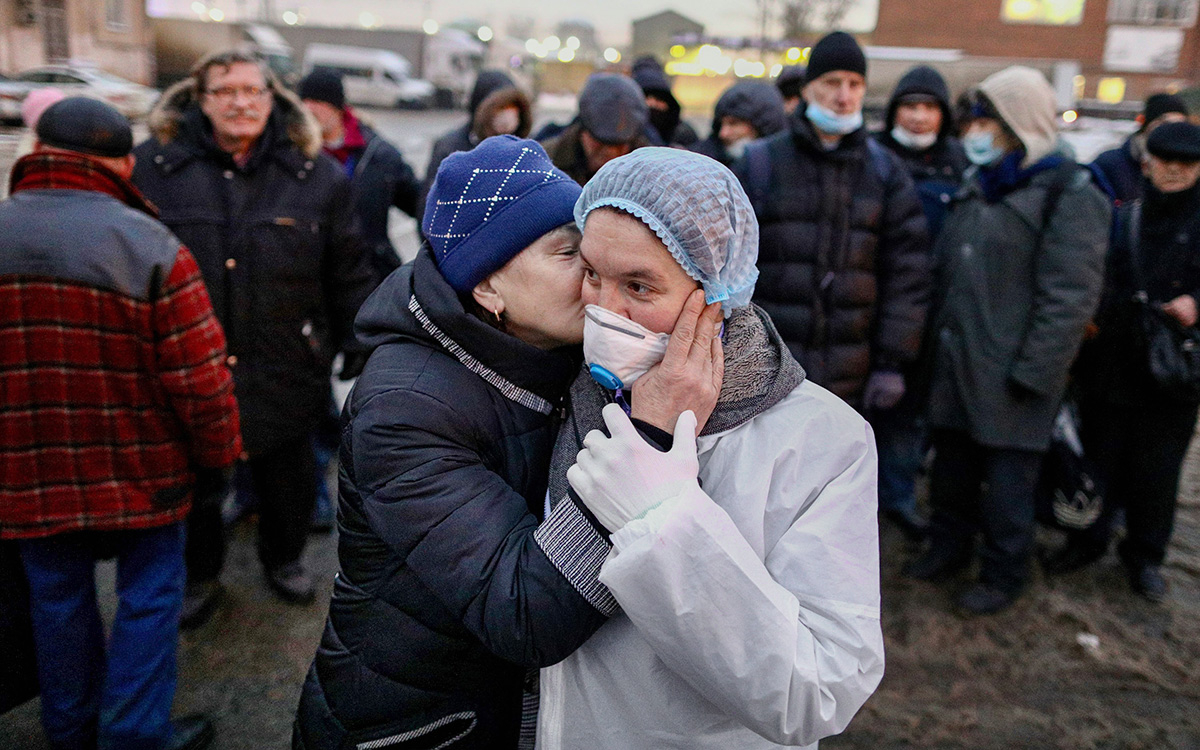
836,51
86,126
790,81
1160,104
613,108
1175,141
323,86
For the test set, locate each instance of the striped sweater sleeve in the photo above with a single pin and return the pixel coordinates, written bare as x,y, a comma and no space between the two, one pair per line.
190,351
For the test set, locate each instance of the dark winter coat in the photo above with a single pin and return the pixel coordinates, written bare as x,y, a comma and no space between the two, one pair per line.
758,103
381,179
938,170
449,589
277,246
1121,168
566,151
1016,289
844,265
1113,367
465,137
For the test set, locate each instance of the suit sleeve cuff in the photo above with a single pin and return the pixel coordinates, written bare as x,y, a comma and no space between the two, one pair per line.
577,549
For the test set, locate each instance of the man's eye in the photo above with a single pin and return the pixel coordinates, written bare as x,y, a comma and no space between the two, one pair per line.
639,289
589,274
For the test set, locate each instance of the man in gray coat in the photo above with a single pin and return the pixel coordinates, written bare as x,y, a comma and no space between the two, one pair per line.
1019,267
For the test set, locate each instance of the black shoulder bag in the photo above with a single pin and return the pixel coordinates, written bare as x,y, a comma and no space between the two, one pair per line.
1173,349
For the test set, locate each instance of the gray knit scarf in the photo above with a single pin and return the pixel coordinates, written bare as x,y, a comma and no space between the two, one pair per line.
759,372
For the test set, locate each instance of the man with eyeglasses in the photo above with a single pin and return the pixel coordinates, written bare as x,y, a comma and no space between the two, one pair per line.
235,166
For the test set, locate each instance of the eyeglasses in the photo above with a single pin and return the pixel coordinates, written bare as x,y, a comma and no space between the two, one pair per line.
229,93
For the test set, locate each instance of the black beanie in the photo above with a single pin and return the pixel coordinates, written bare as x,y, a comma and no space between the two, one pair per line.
1158,105
86,126
836,51
790,80
1175,141
323,86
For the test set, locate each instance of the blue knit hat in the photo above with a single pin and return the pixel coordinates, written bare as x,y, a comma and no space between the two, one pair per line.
490,203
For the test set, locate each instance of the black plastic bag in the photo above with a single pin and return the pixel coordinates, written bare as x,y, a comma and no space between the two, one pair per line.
1070,495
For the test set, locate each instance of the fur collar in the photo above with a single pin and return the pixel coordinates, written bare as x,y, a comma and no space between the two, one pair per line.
302,128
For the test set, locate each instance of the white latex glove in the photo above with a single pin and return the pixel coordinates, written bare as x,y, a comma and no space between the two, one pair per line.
623,477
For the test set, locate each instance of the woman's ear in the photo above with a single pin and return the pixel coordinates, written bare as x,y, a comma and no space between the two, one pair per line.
488,297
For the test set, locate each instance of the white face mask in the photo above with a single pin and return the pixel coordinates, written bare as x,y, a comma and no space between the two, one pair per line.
623,348
914,141
737,149
506,121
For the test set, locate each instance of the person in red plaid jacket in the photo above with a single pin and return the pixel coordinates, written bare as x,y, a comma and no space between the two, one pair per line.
115,401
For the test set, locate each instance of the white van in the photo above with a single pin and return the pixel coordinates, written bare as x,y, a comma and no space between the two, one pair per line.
371,77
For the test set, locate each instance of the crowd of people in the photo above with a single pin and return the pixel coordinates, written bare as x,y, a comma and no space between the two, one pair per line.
611,469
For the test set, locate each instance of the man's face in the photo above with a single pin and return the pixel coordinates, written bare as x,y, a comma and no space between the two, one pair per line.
599,153
841,91
628,270
1170,176
919,117
734,129
236,101
328,116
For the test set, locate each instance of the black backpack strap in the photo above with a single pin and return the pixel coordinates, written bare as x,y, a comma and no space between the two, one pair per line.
758,173
881,160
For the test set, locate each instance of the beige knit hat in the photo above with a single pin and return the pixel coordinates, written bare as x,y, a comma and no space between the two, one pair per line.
1025,101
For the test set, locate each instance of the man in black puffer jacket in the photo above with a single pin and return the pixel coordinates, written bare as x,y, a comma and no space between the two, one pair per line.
235,168
747,110
844,255
380,176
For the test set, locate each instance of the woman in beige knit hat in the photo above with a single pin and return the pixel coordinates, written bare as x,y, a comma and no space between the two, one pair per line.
1019,267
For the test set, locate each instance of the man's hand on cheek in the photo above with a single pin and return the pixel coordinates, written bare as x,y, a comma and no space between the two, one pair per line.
689,377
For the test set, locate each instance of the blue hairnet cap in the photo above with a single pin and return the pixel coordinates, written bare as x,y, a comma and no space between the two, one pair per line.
697,208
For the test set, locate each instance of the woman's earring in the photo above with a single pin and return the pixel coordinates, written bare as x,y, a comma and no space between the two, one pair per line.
497,314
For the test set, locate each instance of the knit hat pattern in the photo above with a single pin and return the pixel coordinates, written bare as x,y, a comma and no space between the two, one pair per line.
488,204
836,51
1025,102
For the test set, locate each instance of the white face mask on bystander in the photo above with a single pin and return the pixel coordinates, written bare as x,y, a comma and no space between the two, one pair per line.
623,348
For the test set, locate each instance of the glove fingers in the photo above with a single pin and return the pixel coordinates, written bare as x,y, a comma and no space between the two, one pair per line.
618,423
684,441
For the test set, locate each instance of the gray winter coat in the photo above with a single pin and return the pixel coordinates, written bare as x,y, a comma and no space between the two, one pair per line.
1013,309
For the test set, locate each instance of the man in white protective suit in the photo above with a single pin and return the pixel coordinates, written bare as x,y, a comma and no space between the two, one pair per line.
744,546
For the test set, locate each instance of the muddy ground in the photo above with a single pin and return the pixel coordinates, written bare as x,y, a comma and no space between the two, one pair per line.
1017,680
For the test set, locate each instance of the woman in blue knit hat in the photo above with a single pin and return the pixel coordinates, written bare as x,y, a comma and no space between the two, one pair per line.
455,586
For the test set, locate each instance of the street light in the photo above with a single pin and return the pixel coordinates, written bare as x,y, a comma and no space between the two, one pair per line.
552,43
290,17
216,14
572,42
612,56
566,55
430,26
484,33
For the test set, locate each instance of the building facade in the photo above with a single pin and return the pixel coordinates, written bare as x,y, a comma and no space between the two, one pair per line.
1124,49
654,35
113,35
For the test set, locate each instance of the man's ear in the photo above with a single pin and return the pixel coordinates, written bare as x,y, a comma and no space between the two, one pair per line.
126,164
488,297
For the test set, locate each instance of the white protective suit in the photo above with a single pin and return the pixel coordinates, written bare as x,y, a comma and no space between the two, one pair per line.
750,609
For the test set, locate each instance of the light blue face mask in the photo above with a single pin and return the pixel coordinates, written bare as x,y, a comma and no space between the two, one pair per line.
981,148
828,121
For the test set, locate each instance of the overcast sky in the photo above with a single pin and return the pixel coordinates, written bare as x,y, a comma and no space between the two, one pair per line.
720,17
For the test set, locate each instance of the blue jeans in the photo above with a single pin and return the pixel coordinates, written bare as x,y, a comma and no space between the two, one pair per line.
120,698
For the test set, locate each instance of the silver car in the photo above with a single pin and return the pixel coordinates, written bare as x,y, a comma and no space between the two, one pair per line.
131,99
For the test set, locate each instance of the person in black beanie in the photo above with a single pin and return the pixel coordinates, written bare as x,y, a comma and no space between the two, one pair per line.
380,176
1120,169
844,251
1135,432
665,112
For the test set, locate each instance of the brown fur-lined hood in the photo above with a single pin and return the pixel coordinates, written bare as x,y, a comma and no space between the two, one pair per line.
301,126
496,101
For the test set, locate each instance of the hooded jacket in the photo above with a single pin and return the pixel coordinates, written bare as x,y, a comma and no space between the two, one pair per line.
750,608
758,103
278,249
668,125
843,256
465,137
938,170
446,595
